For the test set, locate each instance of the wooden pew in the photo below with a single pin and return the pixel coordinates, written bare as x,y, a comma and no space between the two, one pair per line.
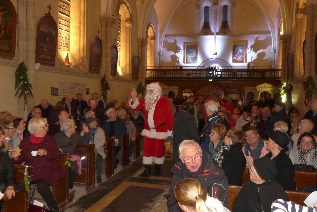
60,188
297,196
109,147
87,177
20,201
233,192
305,179
125,150
302,179
137,149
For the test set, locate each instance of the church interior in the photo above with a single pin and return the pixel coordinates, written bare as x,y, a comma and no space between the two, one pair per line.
70,45
235,48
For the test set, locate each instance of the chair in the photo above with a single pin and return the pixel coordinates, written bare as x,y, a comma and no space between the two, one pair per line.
246,176
233,192
125,150
137,150
87,177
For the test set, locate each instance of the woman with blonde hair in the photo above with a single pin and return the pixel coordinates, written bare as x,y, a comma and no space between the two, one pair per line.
192,197
217,135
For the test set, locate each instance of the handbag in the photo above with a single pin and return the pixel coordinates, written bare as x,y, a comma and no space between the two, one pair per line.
36,208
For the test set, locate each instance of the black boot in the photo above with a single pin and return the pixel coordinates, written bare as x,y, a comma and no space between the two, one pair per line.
146,172
157,170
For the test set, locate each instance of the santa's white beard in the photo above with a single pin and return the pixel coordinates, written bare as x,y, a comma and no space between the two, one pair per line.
150,100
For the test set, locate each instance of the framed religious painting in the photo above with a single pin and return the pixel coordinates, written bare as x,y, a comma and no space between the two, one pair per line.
46,40
239,52
190,52
7,29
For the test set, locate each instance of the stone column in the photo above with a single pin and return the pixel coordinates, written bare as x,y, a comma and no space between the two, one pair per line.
107,42
309,11
129,56
142,54
298,63
31,26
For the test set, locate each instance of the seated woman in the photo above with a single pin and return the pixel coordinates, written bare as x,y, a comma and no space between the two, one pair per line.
192,196
217,134
41,152
277,145
7,177
67,140
305,152
231,157
261,190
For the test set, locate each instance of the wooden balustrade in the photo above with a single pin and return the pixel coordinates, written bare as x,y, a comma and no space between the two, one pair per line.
87,177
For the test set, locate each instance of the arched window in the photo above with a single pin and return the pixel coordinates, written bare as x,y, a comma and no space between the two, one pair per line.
206,25
150,53
224,23
124,41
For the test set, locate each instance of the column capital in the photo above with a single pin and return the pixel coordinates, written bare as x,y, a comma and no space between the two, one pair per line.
299,17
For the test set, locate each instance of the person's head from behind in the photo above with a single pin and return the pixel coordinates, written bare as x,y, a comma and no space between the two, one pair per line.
262,170
281,126
211,107
233,136
188,107
190,153
190,195
305,125
90,113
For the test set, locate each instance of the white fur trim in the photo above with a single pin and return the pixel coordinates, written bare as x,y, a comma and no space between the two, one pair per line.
159,161
157,135
154,85
150,118
147,160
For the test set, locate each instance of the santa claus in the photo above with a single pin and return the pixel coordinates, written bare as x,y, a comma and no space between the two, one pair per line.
158,118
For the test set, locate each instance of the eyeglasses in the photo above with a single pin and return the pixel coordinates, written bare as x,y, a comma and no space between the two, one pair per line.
37,112
307,141
191,159
250,136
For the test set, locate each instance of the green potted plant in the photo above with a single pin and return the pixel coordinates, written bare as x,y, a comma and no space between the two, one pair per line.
105,88
23,87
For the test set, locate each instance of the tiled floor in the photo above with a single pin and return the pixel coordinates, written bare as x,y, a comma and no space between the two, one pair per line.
125,191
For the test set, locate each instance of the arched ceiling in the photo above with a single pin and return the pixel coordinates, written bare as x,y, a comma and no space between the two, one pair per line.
271,10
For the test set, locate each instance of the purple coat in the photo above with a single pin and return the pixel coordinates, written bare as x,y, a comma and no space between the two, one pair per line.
42,167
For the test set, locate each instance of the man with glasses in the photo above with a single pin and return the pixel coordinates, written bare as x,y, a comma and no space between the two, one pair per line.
255,146
195,163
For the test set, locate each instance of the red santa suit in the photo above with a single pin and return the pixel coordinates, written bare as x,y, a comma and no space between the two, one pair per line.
157,127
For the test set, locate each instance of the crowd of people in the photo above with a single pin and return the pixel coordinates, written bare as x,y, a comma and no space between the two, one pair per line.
214,140
51,131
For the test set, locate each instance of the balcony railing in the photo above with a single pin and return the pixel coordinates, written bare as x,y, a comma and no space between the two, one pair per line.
202,73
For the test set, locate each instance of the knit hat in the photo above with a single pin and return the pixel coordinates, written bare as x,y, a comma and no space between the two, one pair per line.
109,106
90,119
279,138
265,168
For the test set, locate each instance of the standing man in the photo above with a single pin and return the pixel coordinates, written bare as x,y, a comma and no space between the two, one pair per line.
158,126
312,114
80,106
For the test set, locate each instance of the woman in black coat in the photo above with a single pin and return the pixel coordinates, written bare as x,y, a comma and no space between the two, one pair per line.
231,157
185,128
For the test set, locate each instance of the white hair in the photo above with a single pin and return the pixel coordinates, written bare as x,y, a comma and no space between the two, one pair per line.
212,106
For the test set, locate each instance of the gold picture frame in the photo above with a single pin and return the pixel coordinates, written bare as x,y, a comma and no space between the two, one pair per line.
190,52
239,51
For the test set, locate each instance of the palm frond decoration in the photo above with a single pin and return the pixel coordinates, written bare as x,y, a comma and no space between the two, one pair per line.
23,87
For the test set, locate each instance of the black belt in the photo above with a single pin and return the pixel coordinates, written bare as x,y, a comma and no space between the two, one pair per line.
154,128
